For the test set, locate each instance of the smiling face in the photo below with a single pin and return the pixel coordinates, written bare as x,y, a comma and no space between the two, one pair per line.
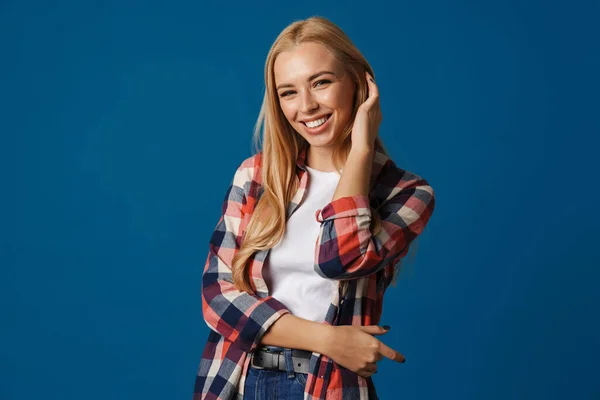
315,93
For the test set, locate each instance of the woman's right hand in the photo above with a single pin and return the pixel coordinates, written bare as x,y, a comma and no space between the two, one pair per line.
355,348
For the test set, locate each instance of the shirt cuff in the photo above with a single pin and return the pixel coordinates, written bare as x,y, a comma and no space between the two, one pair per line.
347,206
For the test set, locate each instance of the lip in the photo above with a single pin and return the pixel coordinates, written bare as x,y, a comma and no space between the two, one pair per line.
315,118
319,129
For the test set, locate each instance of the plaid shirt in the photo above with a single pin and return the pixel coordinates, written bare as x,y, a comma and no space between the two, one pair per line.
347,250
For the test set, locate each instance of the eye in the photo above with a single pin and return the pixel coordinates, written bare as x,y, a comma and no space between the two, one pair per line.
322,80
288,92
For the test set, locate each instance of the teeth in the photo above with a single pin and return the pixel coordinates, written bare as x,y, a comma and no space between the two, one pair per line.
318,122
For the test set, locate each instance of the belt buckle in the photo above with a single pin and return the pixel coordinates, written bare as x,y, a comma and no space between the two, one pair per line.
267,353
252,362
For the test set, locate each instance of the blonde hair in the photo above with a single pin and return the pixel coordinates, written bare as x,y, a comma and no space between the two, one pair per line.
281,144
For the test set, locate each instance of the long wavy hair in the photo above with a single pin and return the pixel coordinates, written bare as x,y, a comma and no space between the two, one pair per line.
281,144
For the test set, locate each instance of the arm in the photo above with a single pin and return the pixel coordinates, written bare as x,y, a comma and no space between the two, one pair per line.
299,333
346,247
356,174
240,317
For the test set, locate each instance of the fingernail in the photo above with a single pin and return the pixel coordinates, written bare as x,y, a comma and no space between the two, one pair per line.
387,327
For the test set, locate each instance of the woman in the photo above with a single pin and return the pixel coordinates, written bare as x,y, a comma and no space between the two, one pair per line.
333,214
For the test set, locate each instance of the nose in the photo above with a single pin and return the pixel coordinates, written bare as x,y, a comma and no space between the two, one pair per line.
308,102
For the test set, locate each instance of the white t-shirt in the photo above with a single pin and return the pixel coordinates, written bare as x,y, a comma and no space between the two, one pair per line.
289,267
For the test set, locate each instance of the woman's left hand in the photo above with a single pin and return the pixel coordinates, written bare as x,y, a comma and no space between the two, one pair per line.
368,118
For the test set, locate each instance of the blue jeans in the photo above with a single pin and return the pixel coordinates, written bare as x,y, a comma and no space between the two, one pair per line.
262,384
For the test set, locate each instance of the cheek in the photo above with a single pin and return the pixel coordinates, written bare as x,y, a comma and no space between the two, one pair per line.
330,99
288,112
339,100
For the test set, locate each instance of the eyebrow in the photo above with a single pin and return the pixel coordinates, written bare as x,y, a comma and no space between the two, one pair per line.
310,78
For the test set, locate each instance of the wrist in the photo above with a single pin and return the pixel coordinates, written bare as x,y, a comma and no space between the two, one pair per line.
361,151
327,334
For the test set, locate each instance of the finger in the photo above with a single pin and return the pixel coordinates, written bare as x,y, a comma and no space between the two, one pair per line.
374,329
372,95
373,89
370,369
391,353
373,369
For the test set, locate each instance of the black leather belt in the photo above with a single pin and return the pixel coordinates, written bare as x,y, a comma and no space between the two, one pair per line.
272,359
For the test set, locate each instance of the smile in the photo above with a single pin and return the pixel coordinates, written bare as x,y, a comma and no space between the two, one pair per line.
317,126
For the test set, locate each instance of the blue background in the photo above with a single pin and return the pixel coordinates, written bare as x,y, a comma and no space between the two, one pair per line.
122,125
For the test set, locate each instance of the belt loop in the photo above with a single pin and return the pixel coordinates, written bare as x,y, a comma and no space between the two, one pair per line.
289,362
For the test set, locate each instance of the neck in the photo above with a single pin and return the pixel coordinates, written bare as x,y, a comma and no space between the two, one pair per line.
320,158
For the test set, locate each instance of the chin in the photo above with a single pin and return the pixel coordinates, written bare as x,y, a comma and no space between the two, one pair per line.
320,141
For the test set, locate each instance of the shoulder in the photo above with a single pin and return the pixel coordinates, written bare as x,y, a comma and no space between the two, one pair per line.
392,179
247,174
394,175
250,163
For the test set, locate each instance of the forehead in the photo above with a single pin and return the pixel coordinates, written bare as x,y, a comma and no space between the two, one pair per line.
299,63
